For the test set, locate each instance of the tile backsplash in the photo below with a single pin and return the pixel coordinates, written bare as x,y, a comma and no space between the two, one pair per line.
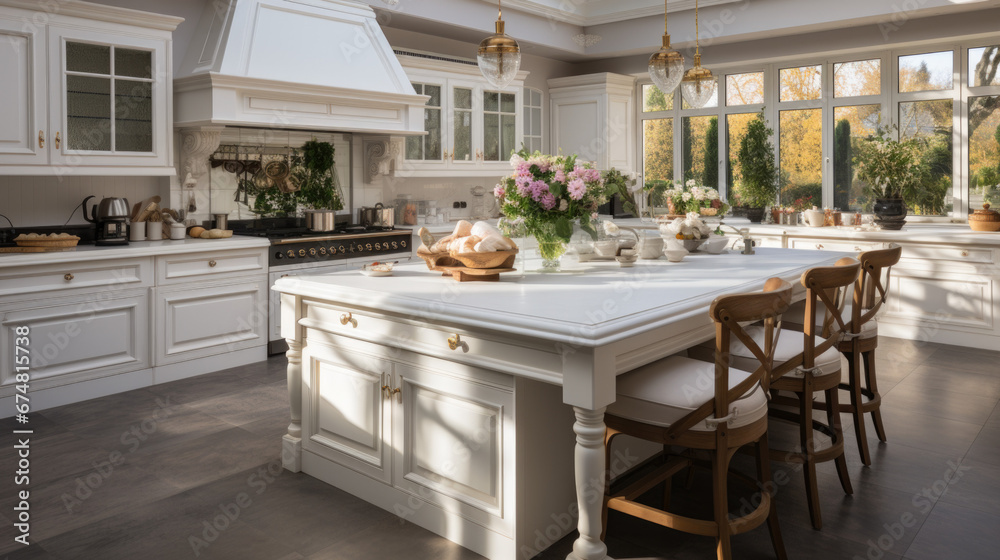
43,201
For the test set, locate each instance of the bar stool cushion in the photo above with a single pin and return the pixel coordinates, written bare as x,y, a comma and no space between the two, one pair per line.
789,345
666,390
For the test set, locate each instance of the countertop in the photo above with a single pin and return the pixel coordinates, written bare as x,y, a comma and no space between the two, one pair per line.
621,301
132,250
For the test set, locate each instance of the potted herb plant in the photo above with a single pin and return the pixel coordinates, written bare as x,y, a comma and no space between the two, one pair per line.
891,169
319,191
759,173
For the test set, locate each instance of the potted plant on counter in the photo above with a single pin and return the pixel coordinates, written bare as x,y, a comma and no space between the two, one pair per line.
891,169
758,173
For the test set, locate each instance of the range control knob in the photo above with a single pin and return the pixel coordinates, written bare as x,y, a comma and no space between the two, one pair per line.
341,249
312,252
279,255
302,252
322,251
395,245
368,246
402,244
333,250
378,246
290,254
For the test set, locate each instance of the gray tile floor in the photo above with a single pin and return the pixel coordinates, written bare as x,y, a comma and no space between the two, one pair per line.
140,475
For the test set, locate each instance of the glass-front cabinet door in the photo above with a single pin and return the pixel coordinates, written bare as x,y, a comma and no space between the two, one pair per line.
110,100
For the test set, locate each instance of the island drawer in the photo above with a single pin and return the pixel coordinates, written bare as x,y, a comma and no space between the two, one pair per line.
113,275
953,253
842,245
176,269
531,358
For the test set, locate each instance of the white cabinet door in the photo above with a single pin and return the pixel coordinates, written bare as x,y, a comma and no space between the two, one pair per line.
346,414
199,322
22,89
109,97
78,338
450,435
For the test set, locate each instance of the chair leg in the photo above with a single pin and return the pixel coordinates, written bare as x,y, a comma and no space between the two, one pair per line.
720,501
833,419
857,401
872,384
667,484
764,476
809,466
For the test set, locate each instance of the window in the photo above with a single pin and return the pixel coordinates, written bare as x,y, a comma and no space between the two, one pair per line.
736,129
427,147
852,124
700,142
657,134
983,66
926,72
109,106
800,84
984,151
800,153
854,79
653,99
745,89
712,101
931,122
499,125
532,119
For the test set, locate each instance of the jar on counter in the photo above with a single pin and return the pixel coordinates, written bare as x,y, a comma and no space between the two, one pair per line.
177,231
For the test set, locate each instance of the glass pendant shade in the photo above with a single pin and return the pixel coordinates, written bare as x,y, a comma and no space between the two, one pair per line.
666,67
499,58
698,85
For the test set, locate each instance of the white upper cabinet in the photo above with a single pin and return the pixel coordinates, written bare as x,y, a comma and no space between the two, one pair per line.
92,88
471,126
592,117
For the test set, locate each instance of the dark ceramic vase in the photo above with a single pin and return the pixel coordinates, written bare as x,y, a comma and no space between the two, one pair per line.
890,213
755,215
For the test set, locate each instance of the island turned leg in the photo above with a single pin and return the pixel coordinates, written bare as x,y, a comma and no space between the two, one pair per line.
589,460
291,445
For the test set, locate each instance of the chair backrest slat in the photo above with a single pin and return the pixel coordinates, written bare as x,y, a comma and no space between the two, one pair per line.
872,288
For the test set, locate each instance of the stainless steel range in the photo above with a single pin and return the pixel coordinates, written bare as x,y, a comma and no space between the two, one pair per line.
296,250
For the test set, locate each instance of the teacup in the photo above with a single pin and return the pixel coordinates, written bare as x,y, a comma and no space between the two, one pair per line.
716,244
675,255
651,248
627,258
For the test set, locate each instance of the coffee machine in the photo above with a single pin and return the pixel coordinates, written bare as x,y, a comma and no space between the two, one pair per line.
110,216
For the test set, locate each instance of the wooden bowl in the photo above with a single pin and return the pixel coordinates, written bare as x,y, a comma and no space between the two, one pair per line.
436,260
492,259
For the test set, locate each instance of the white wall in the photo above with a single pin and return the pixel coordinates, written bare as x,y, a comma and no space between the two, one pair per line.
44,201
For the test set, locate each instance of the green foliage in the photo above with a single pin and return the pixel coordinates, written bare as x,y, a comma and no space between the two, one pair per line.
687,151
890,167
843,172
619,184
273,202
656,189
710,176
759,173
316,177
814,191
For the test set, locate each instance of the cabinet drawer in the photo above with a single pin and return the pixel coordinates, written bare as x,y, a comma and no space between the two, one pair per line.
971,255
840,245
199,322
114,275
176,269
534,359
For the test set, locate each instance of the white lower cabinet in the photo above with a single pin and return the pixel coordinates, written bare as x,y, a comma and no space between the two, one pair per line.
450,447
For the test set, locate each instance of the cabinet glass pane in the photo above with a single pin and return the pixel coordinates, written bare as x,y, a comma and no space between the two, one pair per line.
84,57
491,137
133,116
800,84
463,135
984,151
507,135
984,63
463,98
507,103
491,101
432,142
800,154
861,77
928,71
931,121
133,63
417,88
536,122
414,147
536,98
852,125
658,149
88,113
435,93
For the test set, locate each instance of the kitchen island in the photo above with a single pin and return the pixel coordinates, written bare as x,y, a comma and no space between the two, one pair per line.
446,402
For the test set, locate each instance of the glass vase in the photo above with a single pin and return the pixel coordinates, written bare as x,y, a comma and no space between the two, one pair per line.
550,251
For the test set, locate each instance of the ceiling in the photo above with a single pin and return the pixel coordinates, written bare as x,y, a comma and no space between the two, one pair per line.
595,12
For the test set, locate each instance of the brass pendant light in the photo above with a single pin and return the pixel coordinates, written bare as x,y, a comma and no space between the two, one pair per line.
666,66
499,55
698,85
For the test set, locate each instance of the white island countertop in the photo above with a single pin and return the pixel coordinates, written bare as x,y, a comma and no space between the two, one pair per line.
604,304
83,253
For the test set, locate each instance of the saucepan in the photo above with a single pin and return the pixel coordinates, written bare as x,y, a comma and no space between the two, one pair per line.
378,215
321,220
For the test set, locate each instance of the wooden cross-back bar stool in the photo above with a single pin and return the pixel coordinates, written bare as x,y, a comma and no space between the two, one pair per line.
870,293
679,401
806,364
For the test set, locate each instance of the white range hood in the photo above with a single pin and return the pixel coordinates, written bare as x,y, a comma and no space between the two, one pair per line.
305,64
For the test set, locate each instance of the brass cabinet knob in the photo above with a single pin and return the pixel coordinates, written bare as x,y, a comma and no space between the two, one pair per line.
454,341
348,318
58,141
212,264
41,138
399,394
965,253
819,246
67,277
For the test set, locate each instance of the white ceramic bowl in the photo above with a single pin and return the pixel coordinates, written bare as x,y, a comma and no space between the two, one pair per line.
606,248
651,248
581,248
675,255
716,245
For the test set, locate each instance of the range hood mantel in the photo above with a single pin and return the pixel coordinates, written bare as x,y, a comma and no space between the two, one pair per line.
310,64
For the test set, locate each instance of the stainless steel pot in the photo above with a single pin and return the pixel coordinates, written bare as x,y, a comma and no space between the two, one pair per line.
378,215
321,220
107,209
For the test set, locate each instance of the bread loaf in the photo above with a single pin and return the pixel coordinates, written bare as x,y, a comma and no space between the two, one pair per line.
196,231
